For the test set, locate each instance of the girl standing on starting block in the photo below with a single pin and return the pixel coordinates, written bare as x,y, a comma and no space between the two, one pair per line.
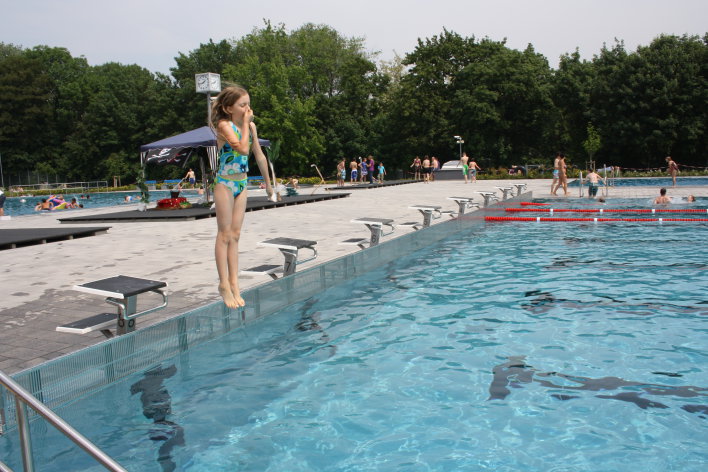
232,121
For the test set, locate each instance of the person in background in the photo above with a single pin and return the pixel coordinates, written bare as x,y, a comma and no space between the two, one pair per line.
562,175
556,163
2,202
464,159
593,183
372,169
364,165
382,172
354,171
662,199
341,173
473,170
426,169
672,168
416,168
190,177
436,167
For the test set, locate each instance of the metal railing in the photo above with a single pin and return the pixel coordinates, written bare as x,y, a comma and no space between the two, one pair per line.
24,399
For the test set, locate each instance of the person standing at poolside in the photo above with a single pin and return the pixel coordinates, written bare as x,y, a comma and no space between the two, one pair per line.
662,199
562,175
382,172
354,170
436,166
341,173
672,168
473,167
190,177
364,166
371,164
232,120
426,169
556,163
464,159
416,168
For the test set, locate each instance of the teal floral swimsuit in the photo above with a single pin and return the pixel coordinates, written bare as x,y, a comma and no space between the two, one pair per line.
232,163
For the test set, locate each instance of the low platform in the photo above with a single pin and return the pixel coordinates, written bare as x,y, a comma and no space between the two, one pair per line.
368,186
186,214
12,238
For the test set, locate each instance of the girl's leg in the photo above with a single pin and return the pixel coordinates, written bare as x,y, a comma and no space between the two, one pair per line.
223,197
238,215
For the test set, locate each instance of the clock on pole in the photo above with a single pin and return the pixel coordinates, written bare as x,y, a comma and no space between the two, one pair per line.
208,83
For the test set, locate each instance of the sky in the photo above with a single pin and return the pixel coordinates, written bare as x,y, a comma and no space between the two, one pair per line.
151,33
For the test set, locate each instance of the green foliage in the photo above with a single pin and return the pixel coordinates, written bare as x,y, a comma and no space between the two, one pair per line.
593,143
320,97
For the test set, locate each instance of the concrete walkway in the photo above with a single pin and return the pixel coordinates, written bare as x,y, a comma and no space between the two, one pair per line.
36,281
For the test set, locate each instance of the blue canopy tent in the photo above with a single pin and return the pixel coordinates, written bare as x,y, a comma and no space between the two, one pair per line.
177,149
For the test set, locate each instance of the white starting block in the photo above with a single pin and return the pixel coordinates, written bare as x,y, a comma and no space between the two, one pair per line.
375,226
488,196
506,192
463,203
429,213
289,247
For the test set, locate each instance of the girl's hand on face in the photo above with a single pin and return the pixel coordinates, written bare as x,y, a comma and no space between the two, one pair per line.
248,115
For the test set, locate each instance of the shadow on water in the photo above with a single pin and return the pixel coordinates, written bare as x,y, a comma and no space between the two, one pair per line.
516,372
157,405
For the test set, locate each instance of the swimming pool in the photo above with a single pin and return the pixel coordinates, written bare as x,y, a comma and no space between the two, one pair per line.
519,347
18,206
649,182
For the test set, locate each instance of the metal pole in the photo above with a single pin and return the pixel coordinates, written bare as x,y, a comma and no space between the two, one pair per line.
23,429
25,398
208,95
2,177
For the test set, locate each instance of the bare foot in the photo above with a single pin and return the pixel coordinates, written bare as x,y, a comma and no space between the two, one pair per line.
229,299
237,296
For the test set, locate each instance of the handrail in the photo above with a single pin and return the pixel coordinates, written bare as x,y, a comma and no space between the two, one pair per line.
23,398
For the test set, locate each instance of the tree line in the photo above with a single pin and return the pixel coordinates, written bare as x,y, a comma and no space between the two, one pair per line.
322,97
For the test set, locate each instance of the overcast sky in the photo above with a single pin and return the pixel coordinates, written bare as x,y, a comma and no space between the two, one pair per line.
151,33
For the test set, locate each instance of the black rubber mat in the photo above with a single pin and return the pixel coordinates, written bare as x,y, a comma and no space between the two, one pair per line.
253,204
12,238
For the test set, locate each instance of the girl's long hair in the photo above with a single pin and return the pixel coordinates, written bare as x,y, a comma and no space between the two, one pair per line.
226,98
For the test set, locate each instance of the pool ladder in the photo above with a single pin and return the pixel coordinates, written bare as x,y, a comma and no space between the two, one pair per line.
24,399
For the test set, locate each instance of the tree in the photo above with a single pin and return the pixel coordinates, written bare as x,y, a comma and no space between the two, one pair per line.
592,144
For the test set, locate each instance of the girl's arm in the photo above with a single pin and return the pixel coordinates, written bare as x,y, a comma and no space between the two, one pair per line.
226,134
261,160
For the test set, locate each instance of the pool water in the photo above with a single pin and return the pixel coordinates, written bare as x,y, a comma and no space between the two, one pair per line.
649,182
18,206
524,346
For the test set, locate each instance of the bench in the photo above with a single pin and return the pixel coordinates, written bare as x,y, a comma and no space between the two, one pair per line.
122,292
488,196
289,247
375,226
429,213
463,203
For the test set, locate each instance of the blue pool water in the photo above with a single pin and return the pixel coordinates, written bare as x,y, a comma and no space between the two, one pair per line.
535,347
651,182
18,206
